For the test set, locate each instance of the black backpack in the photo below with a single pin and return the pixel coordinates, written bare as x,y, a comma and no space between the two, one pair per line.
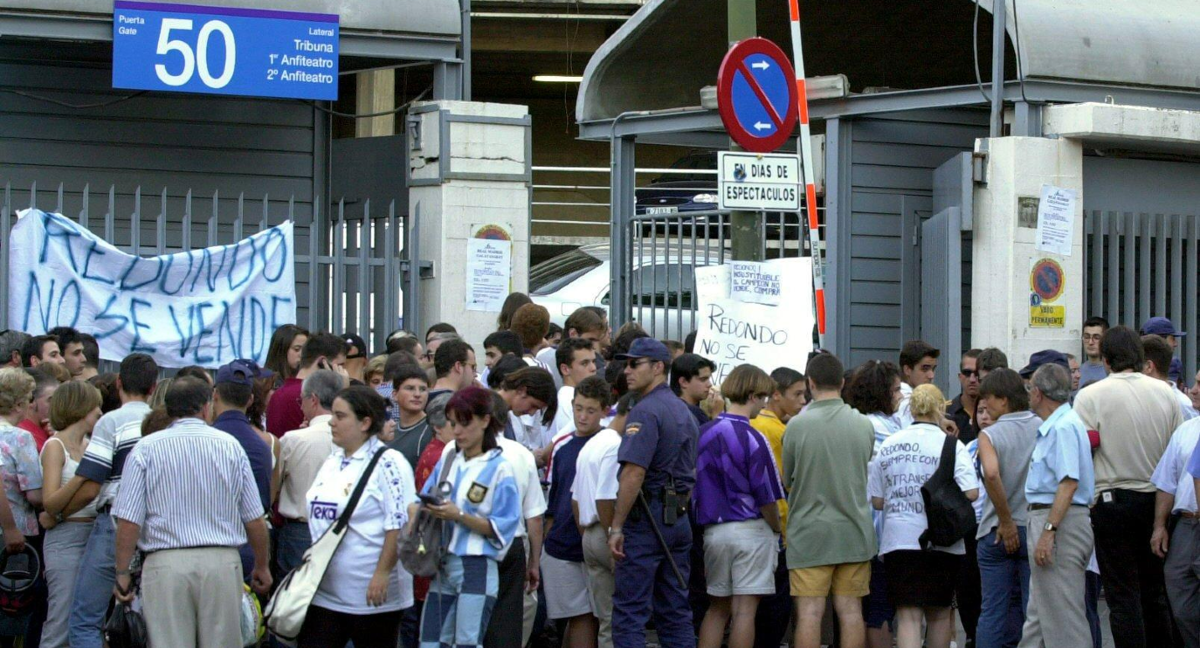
948,512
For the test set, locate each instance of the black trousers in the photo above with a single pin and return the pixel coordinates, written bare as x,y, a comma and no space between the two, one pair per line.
1132,575
325,628
508,616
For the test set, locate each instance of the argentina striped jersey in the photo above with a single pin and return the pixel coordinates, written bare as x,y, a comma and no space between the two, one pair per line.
484,486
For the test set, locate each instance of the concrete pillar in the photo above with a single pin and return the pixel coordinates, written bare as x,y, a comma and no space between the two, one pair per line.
1004,247
481,183
376,93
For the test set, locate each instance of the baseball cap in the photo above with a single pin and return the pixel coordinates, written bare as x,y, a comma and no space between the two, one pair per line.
646,348
1049,356
1160,326
241,372
355,341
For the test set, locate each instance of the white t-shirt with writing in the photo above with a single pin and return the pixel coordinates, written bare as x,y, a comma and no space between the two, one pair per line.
905,461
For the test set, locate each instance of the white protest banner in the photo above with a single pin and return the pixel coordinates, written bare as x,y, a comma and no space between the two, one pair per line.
732,332
1056,220
755,282
203,307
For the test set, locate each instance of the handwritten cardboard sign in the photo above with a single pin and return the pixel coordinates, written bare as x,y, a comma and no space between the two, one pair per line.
203,307
754,282
731,332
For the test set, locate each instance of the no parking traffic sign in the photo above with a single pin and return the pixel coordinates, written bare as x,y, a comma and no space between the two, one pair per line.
756,95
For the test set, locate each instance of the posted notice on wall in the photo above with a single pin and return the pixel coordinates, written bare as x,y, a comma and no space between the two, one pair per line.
489,267
733,332
1056,220
204,307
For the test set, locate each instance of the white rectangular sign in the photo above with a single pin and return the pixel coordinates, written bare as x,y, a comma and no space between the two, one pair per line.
1056,220
489,273
204,307
732,332
759,182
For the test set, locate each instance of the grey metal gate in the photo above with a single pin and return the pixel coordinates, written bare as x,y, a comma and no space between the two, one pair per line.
941,289
1139,266
349,277
664,250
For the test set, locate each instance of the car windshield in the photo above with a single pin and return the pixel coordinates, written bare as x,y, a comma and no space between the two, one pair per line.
552,274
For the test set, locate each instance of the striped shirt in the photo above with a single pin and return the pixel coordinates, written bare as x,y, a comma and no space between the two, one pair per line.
189,486
482,486
113,437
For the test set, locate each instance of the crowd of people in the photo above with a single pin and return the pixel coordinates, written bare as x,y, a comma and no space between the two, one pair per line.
590,484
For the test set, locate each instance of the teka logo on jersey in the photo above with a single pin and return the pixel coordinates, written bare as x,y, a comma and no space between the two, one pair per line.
324,511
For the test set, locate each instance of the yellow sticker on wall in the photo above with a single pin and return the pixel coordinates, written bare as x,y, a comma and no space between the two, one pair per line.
1048,316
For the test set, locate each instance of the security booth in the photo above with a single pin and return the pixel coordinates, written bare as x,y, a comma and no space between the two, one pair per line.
1100,101
162,140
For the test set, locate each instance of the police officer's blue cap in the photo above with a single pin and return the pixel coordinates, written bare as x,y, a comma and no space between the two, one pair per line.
241,372
1049,356
1160,326
647,348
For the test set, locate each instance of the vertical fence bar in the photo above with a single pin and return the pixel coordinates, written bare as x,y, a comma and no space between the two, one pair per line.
83,208
1096,225
314,261
241,215
696,263
135,224
1193,293
1129,274
1113,269
339,260
5,228
58,205
213,221
1178,231
1160,260
412,251
391,309
682,288
364,274
110,215
1145,234
33,195
185,239
264,223
160,226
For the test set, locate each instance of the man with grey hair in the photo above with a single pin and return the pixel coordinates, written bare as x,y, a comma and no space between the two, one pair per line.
11,343
301,454
1059,489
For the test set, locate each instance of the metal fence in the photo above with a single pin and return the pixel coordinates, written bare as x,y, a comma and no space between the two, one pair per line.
351,260
1145,265
665,249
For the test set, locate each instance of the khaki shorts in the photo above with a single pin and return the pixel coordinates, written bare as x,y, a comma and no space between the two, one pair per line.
848,579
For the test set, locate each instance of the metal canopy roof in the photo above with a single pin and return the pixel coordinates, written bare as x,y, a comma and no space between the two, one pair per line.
409,29
670,49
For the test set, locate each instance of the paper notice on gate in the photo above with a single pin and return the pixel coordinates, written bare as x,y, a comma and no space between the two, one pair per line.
1056,220
754,282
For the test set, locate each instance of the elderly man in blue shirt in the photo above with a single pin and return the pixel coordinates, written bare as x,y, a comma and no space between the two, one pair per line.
1059,489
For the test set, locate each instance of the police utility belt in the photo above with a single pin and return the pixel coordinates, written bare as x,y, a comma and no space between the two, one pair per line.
674,504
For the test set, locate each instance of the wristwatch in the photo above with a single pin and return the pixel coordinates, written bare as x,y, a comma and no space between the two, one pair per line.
1049,527
614,531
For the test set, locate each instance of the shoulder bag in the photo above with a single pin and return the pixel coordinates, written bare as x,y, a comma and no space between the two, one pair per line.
948,513
288,607
422,549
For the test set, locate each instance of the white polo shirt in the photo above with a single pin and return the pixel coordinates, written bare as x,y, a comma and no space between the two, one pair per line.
529,486
1171,475
596,475
383,508
564,416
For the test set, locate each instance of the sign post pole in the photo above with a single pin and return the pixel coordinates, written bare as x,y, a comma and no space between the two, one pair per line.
806,161
745,225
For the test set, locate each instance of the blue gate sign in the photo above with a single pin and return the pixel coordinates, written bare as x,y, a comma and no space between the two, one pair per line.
224,50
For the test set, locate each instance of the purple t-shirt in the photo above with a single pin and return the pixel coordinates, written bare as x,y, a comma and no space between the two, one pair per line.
735,472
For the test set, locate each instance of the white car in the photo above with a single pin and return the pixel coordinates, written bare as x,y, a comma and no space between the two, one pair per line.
664,287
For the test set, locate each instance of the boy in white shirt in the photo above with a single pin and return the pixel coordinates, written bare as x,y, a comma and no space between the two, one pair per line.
576,360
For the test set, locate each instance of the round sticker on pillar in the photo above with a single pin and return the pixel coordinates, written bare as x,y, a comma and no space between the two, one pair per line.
756,95
1046,280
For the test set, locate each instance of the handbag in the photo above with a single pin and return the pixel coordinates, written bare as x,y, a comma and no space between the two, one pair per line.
288,607
948,513
422,549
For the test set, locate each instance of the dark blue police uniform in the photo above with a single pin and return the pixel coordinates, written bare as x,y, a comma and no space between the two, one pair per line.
660,436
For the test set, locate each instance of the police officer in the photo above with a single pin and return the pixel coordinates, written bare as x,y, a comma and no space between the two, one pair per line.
658,459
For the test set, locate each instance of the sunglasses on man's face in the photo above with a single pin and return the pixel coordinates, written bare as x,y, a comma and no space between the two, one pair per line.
968,373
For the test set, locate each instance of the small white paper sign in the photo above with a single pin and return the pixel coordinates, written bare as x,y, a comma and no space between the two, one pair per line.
489,273
1056,220
754,282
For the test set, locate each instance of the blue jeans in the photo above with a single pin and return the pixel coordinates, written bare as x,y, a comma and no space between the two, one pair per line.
1004,578
94,584
292,541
